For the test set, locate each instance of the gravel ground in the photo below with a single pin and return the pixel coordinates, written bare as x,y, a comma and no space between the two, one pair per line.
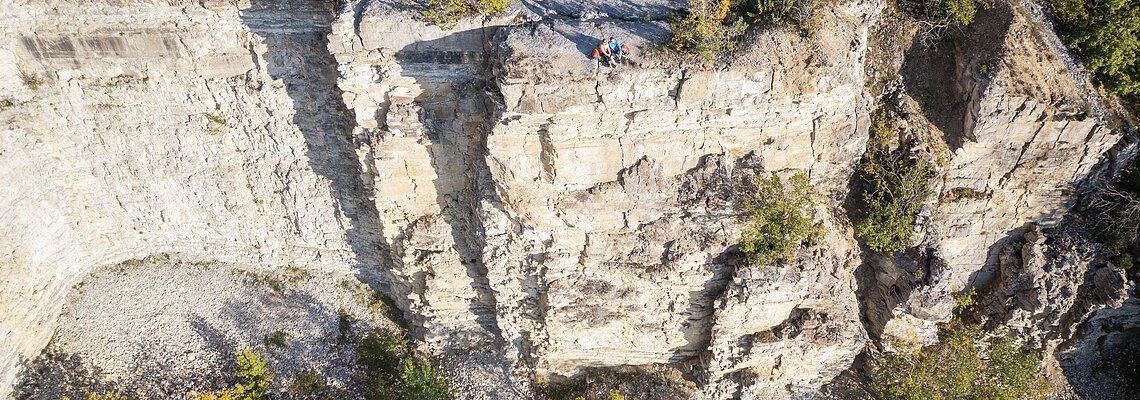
159,328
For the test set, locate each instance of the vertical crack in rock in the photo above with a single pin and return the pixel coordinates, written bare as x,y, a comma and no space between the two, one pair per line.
297,53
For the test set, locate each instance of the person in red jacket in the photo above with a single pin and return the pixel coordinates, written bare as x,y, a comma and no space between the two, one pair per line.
606,54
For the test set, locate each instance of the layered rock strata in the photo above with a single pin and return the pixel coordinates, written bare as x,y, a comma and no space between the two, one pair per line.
207,129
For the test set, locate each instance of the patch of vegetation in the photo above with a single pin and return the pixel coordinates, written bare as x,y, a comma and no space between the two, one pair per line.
780,220
648,382
295,275
273,282
1106,34
963,193
31,81
708,30
392,372
446,13
938,14
307,384
963,365
770,13
344,326
422,381
897,185
252,375
965,301
277,339
217,119
1114,210
253,379
104,396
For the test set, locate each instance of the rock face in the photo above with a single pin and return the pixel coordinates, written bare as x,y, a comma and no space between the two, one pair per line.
201,129
532,213
1014,144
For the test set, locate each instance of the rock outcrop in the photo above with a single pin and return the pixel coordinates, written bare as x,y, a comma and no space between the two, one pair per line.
202,129
532,213
1012,138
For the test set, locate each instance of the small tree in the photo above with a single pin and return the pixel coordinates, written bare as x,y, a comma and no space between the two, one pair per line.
897,187
780,220
253,377
1106,34
708,30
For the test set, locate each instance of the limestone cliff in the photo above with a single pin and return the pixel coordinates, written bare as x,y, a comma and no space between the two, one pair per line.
532,214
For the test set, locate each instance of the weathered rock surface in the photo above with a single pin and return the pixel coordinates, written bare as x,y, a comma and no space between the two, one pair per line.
207,129
1014,144
532,213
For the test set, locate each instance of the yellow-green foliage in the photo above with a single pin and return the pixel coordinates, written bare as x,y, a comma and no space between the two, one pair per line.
963,365
1106,34
225,394
965,301
897,186
253,377
106,396
780,220
708,30
446,13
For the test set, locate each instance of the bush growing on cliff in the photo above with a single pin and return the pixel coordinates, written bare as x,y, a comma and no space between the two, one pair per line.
709,29
963,365
767,13
780,220
1106,34
897,187
948,12
446,13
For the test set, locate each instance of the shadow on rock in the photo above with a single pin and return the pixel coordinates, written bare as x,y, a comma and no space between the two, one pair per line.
296,37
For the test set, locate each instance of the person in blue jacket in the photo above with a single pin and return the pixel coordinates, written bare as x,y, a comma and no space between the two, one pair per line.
616,49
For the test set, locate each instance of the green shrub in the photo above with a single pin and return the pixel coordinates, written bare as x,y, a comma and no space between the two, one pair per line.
959,12
965,302
217,119
252,375
1106,34
963,365
422,382
708,31
277,339
307,384
446,13
780,220
1124,261
768,13
393,373
897,187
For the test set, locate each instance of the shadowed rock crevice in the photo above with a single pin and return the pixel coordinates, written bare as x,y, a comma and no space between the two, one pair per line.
297,53
948,76
457,110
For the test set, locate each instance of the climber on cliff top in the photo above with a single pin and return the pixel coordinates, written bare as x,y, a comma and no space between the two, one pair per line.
618,49
603,52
